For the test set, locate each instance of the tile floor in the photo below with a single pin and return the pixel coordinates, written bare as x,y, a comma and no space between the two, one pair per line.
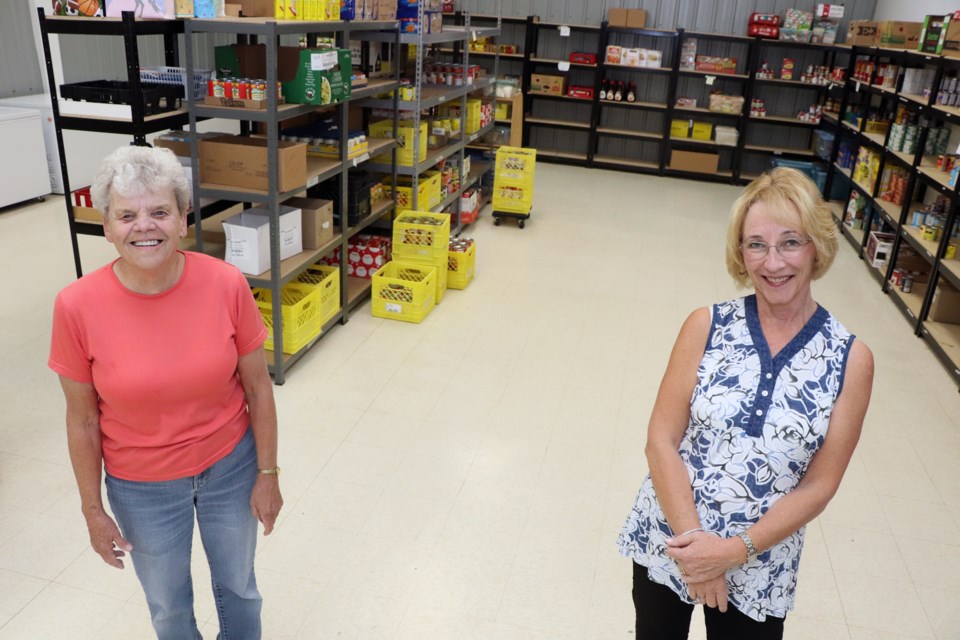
466,478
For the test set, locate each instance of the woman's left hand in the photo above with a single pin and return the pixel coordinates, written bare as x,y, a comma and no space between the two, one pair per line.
703,556
712,593
266,501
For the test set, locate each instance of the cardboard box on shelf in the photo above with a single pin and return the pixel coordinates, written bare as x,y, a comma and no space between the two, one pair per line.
945,306
238,161
702,131
694,161
321,77
550,85
617,17
257,8
316,219
893,34
933,27
879,245
636,18
248,238
862,33
948,43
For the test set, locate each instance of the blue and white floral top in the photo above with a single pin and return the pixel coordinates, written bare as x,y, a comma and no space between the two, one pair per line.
755,423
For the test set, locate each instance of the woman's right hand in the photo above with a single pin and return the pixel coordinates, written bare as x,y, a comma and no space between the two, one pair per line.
712,593
106,540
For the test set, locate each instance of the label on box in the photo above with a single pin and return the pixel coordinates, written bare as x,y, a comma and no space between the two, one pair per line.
394,308
829,11
238,248
323,61
288,237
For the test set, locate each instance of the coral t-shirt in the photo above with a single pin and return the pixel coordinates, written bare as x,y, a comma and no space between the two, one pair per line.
164,366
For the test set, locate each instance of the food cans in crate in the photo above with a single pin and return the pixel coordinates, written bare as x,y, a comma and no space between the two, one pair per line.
461,263
403,291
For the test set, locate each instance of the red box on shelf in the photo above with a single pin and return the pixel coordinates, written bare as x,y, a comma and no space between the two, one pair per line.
580,91
580,57
715,64
772,19
763,31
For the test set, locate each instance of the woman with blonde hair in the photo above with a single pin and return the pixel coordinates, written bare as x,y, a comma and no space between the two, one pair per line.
755,422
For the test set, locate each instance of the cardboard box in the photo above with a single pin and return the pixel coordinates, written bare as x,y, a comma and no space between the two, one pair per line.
862,33
238,161
693,161
316,219
617,17
945,306
893,34
321,77
679,128
248,238
879,246
550,85
381,9
949,42
702,131
636,18
257,8
933,27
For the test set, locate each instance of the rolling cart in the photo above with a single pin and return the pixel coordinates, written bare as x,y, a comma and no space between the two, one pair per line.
513,184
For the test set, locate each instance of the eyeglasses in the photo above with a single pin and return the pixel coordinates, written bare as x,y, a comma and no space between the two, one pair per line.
786,248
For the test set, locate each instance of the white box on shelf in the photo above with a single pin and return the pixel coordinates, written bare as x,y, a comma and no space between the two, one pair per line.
248,238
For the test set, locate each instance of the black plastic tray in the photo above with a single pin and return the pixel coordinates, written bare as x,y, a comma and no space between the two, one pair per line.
156,98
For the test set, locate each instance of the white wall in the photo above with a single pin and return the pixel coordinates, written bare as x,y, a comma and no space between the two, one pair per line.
913,11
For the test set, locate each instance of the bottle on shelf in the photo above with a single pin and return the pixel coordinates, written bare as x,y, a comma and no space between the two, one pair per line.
604,89
618,96
632,92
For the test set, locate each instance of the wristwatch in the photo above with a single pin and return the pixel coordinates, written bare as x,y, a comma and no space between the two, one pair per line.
269,472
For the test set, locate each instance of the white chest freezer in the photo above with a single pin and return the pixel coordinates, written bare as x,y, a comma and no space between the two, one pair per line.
85,149
23,164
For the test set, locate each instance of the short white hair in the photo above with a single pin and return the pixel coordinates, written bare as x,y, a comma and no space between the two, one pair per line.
132,171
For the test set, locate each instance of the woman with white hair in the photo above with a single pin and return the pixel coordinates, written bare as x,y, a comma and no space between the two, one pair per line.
160,357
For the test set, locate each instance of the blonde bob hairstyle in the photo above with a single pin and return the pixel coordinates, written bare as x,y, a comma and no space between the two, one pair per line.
786,193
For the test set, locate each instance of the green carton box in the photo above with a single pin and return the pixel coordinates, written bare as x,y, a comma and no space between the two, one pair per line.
322,77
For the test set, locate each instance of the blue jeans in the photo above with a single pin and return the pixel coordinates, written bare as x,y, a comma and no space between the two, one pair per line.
157,518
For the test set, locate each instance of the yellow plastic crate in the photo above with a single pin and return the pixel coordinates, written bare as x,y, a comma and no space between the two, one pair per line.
299,313
405,139
507,197
460,267
516,164
403,291
421,235
428,191
327,280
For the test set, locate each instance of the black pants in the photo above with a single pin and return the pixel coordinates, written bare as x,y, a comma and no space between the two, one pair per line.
662,615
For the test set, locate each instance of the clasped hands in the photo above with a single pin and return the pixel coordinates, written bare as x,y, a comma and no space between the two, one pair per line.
702,559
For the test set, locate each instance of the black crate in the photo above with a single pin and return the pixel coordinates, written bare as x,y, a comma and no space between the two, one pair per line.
358,195
156,98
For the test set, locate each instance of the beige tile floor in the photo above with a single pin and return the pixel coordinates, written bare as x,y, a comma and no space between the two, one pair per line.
466,478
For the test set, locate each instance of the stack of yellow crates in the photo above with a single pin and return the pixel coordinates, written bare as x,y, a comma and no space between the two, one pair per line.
423,238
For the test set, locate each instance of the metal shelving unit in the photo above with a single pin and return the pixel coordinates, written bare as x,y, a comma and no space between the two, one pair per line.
431,96
138,125
318,169
941,337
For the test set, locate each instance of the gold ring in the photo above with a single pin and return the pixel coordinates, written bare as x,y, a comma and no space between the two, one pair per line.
683,571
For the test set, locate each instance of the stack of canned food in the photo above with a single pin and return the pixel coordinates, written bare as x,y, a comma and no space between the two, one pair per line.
240,88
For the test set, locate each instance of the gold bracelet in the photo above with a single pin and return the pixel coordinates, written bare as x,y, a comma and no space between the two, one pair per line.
748,543
269,472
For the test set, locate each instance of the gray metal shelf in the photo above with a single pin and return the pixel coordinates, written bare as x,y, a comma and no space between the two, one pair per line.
319,169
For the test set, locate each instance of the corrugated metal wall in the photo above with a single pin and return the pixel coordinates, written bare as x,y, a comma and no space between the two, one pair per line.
19,68
708,16
87,58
